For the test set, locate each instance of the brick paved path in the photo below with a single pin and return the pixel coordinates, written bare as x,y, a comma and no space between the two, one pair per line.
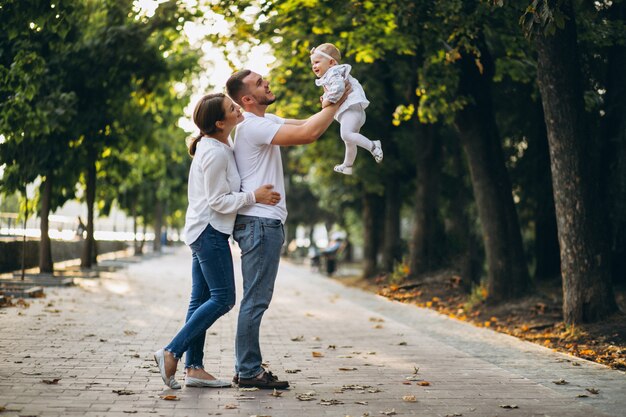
99,337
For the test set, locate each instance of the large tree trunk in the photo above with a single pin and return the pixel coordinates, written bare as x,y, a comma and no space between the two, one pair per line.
392,242
463,245
507,275
546,244
585,257
614,162
425,237
87,258
45,249
371,215
158,225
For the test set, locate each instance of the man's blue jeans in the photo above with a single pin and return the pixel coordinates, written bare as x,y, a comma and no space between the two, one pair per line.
212,294
260,240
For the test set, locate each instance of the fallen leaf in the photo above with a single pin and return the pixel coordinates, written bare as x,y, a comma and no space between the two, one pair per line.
292,371
249,389
423,383
508,406
130,332
317,354
588,352
355,387
123,392
582,396
454,415
169,397
391,412
560,382
347,369
406,382
415,369
332,347
402,344
231,406
379,326
54,381
593,390
276,393
306,396
130,412
377,320
361,402
409,398
297,339
330,402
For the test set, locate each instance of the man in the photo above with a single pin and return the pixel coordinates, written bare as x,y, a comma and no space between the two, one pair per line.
259,229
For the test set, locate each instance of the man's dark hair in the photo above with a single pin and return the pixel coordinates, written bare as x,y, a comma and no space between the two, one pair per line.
235,86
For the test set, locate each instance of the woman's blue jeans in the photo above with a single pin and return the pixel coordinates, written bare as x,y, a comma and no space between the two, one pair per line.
212,294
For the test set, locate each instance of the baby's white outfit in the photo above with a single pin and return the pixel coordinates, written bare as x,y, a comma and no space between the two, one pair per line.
351,114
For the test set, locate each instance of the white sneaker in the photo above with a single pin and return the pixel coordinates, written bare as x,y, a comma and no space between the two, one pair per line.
159,358
377,151
343,169
206,383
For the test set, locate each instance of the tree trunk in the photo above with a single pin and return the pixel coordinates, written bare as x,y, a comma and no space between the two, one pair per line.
45,249
546,244
158,225
392,242
371,243
585,257
425,236
507,275
136,248
614,161
462,243
86,260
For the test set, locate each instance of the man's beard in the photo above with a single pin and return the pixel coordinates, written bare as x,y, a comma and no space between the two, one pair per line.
264,101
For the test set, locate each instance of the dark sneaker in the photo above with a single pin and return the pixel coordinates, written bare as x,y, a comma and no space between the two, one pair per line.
266,380
236,379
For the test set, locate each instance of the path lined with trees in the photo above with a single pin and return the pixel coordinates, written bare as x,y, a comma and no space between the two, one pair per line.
502,123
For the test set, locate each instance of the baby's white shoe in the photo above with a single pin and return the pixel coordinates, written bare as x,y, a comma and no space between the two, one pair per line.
377,151
343,169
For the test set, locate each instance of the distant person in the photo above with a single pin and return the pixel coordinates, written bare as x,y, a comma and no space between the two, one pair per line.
351,115
80,229
214,198
258,228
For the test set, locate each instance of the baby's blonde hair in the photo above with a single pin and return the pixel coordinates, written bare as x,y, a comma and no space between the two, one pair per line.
330,49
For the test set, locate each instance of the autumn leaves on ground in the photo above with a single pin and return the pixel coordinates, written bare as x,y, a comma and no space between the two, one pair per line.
537,317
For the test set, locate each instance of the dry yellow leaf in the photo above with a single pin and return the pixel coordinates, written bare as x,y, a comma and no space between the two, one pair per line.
317,354
409,398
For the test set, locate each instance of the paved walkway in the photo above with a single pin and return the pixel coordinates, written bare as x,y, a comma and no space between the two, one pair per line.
349,353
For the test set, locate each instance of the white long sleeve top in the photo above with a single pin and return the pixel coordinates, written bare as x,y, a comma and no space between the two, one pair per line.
213,190
334,85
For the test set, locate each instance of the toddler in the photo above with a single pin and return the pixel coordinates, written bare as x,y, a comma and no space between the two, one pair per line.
351,114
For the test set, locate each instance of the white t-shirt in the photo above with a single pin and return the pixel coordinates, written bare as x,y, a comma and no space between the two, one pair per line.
213,190
259,162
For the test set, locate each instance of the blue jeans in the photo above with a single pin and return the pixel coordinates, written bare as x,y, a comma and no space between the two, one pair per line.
212,294
260,240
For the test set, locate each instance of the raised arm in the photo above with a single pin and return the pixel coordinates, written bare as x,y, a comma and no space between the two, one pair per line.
311,129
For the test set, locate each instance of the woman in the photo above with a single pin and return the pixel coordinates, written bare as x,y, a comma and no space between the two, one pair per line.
214,199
